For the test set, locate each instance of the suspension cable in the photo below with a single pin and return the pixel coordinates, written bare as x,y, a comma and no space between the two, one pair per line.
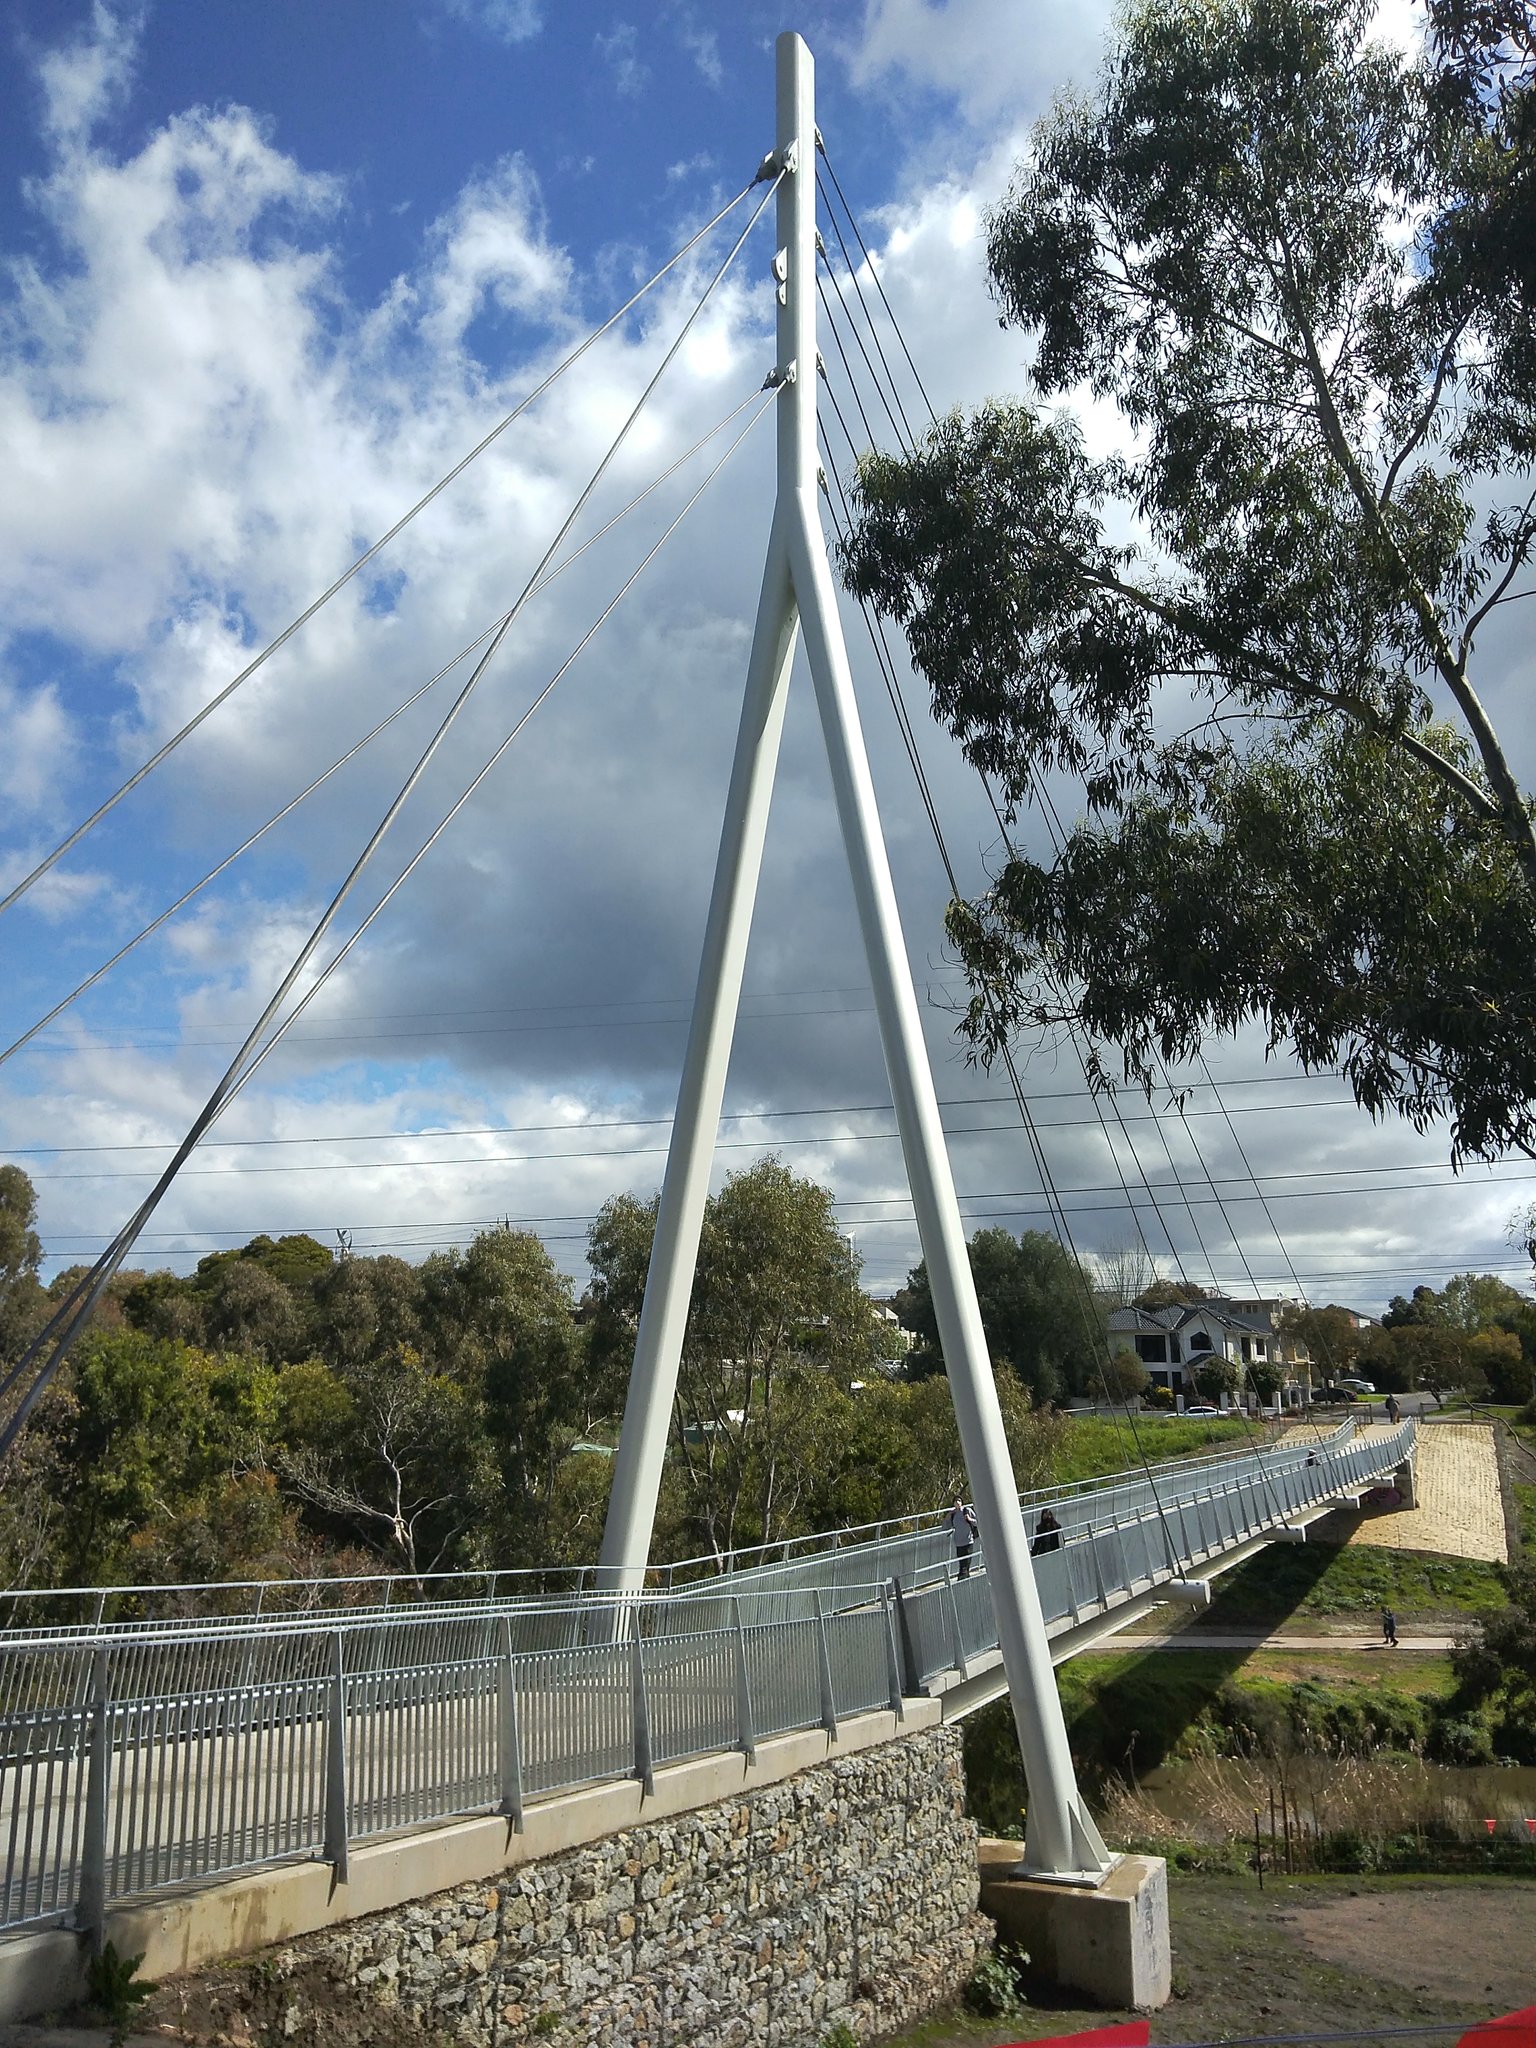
65,1325
874,273
363,560
1042,1165
367,739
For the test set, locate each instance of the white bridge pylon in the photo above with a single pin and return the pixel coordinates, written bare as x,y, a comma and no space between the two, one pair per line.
798,592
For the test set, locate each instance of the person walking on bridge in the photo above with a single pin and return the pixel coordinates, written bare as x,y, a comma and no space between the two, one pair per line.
1389,1628
964,1528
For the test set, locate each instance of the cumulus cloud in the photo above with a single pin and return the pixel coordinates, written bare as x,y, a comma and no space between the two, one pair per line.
995,61
84,78
203,429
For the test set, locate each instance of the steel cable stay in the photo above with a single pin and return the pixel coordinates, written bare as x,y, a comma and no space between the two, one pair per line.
438,830
1042,792
1061,1222
65,1325
869,261
1053,822
1053,826
1055,1207
369,737
1057,1211
364,559
645,1122
902,426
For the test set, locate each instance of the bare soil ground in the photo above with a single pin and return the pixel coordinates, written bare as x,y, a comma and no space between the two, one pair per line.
1310,1957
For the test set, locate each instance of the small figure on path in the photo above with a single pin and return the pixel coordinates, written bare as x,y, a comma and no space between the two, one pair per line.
963,1527
1393,1411
1047,1535
1389,1628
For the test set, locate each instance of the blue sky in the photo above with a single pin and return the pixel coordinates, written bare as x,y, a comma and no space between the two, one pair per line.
267,272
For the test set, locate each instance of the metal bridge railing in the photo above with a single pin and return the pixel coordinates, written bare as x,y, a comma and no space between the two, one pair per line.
136,1757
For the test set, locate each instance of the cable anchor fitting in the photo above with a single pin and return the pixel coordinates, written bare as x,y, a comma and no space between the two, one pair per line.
776,379
777,163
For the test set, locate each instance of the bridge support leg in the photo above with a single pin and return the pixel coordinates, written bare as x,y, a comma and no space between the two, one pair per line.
1063,1843
1403,1479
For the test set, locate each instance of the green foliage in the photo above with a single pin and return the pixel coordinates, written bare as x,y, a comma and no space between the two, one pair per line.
1319,1578
995,1990
114,1987
20,1255
1227,241
840,2036
546,2024
1093,1445
1037,1309
778,1330
1496,1665
1215,1376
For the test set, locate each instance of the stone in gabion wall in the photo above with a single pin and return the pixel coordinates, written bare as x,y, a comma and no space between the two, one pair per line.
846,1893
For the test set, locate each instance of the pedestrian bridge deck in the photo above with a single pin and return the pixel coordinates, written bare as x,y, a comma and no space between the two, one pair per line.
143,1751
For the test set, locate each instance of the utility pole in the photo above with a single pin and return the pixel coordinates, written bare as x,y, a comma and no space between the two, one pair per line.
797,591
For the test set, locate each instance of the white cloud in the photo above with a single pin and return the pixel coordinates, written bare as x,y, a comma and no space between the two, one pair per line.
83,79
201,429
38,739
997,60
509,21
491,248
619,49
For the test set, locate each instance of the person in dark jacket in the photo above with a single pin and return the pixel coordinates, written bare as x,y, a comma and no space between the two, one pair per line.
1047,1535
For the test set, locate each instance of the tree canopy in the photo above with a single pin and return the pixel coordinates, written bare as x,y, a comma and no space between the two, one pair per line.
1296,262
1040,1317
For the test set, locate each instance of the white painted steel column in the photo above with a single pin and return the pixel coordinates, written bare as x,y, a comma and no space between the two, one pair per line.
637,1465
1062,1839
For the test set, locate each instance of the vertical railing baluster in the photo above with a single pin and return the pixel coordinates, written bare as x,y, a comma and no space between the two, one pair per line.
640,1708
91,1901
509,1749
336,1763
824,1665
746,1724
952,1616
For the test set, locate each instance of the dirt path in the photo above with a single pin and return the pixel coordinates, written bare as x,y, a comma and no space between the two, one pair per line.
1402,1938
1312,1957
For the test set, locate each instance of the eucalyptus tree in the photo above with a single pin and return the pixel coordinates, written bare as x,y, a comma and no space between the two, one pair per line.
1298,262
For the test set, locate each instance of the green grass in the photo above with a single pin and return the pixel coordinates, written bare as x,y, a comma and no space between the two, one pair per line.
1096,1445
1315,1580
1128,1714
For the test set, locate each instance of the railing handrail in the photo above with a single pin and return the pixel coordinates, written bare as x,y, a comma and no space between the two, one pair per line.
702,1568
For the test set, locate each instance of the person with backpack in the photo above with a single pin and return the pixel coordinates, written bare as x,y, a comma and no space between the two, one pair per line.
964,1528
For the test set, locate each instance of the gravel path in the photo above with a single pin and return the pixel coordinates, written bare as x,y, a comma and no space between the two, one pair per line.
1460,1511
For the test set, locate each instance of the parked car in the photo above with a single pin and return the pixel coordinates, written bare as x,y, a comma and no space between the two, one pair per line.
1202,1408
1331,1396
1359,1386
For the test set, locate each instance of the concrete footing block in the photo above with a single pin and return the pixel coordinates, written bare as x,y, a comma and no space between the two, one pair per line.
1111,1943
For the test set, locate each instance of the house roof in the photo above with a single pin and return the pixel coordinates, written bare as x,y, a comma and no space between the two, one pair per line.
1178,1315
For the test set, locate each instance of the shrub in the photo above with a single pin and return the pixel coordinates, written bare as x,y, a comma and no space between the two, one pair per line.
1463,1739
994,1991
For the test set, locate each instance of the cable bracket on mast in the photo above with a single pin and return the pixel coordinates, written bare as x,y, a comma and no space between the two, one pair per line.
778,163
776,378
